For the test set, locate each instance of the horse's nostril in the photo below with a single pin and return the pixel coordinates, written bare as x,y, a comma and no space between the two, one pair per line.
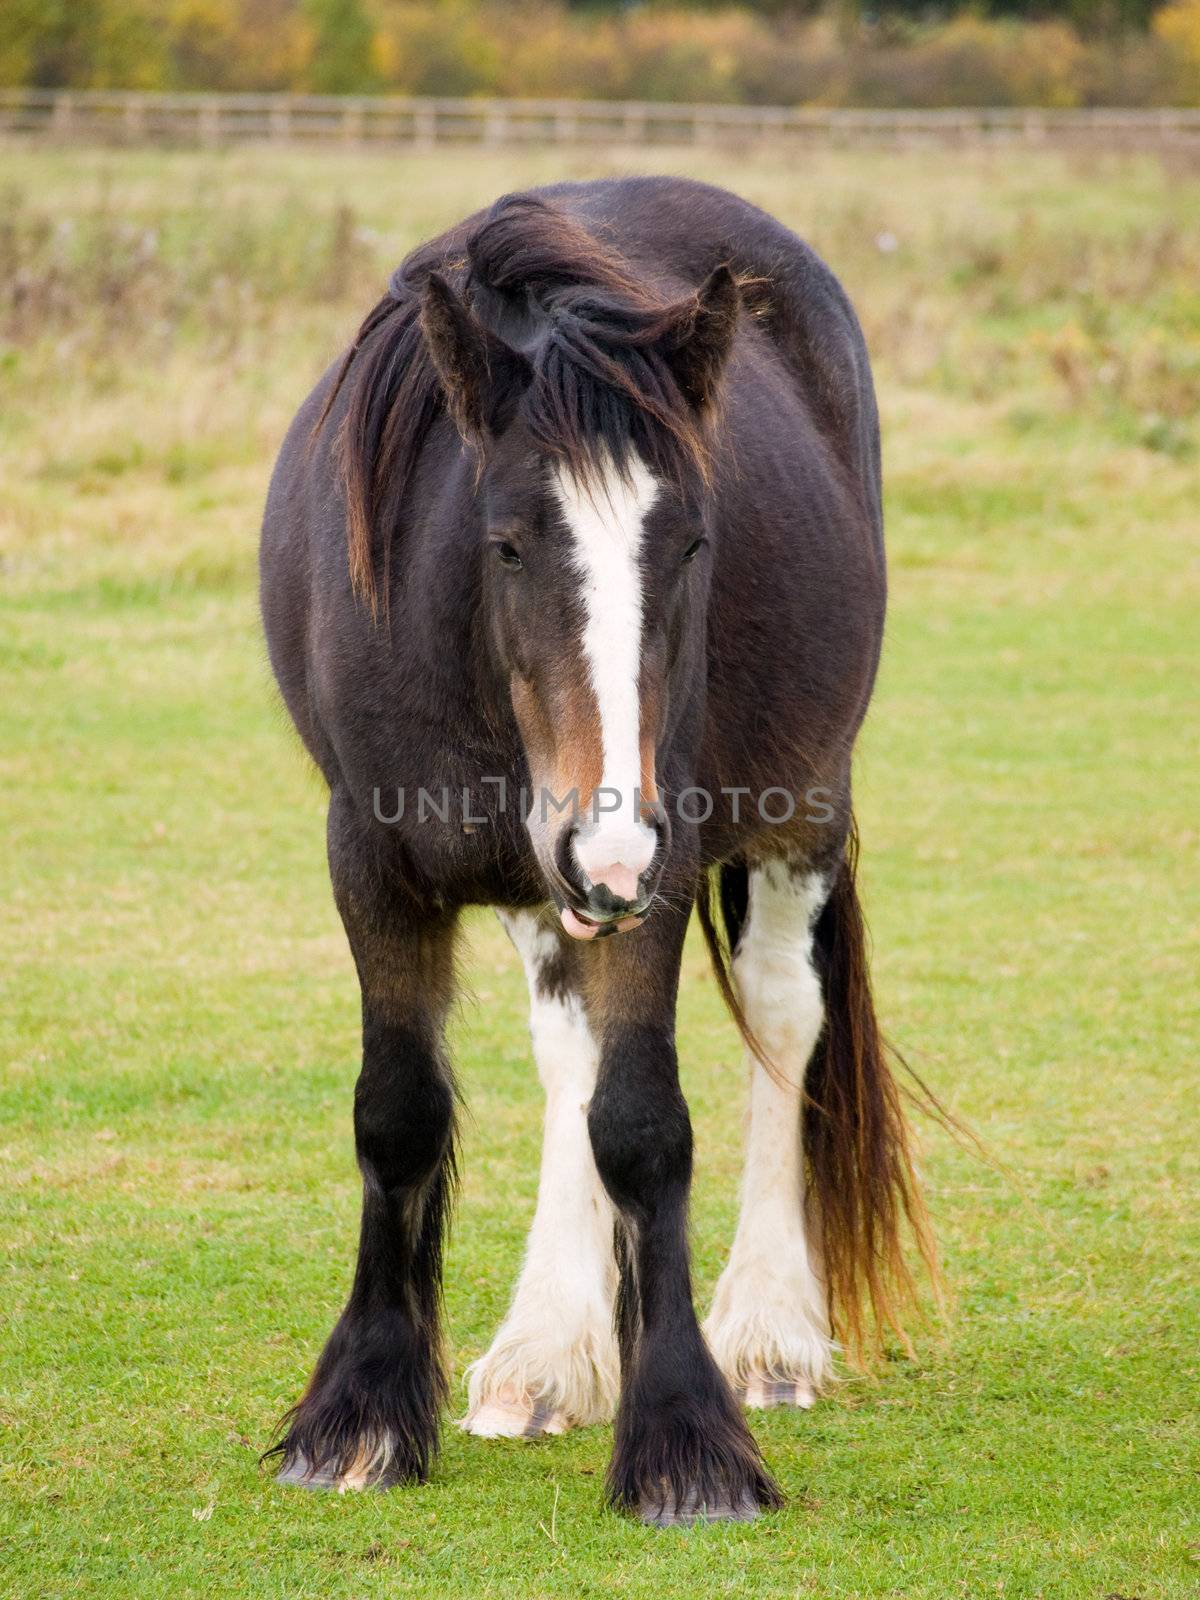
621,882
564,860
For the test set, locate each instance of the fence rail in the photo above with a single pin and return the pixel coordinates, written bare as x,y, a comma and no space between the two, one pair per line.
119,117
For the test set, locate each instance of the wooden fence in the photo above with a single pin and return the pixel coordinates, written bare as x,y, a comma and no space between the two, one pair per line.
213,120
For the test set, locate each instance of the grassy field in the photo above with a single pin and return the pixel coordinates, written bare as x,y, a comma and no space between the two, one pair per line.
179,1018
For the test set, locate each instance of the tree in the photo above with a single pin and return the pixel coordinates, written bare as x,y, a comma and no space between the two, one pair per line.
341,54
83,44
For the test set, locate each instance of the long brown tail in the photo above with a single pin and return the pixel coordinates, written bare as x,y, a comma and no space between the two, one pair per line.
862,1183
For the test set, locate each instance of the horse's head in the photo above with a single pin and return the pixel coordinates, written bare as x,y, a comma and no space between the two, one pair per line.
589,421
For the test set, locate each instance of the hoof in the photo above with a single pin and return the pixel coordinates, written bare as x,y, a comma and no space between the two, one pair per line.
298,1473
690,1510
503,1419
761,1394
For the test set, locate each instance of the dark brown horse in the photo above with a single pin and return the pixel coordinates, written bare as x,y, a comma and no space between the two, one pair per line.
573,582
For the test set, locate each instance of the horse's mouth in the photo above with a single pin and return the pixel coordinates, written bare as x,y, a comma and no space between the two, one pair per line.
581,926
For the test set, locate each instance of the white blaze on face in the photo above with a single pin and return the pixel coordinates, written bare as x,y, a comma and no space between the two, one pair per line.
607,520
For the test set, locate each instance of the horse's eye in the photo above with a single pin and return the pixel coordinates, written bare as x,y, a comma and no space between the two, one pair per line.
508,553
692,551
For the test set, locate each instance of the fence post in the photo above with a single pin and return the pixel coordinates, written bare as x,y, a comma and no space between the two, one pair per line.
210,122
134,117
62,123
705,127
566,125
424,127
352,122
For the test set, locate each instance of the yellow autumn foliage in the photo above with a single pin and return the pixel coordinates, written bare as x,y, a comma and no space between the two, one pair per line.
548,48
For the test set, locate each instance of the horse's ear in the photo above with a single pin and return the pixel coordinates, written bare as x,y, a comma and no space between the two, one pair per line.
698,349
483,377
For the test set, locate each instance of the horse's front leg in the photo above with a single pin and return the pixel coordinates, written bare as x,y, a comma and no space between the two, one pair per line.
682,1450
369,1417
553,1362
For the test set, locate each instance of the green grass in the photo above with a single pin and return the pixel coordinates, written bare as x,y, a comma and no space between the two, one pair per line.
179,1018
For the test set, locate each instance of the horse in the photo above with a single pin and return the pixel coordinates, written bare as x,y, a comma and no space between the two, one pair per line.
590,511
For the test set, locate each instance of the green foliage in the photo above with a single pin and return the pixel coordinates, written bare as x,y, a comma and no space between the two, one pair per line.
902,55
22,24
99,43
341,51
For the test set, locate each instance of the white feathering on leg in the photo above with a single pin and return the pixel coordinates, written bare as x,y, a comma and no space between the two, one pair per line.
553,1364
768,1328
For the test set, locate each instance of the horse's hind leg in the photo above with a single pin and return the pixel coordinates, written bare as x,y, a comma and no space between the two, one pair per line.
369,1417
553,1363
768,1327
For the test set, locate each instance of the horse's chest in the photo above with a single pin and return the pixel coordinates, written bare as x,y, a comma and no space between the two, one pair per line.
464,837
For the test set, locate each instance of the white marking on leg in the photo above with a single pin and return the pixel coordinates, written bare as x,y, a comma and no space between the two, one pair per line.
369,1465
769,1327
553,1364
606,521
